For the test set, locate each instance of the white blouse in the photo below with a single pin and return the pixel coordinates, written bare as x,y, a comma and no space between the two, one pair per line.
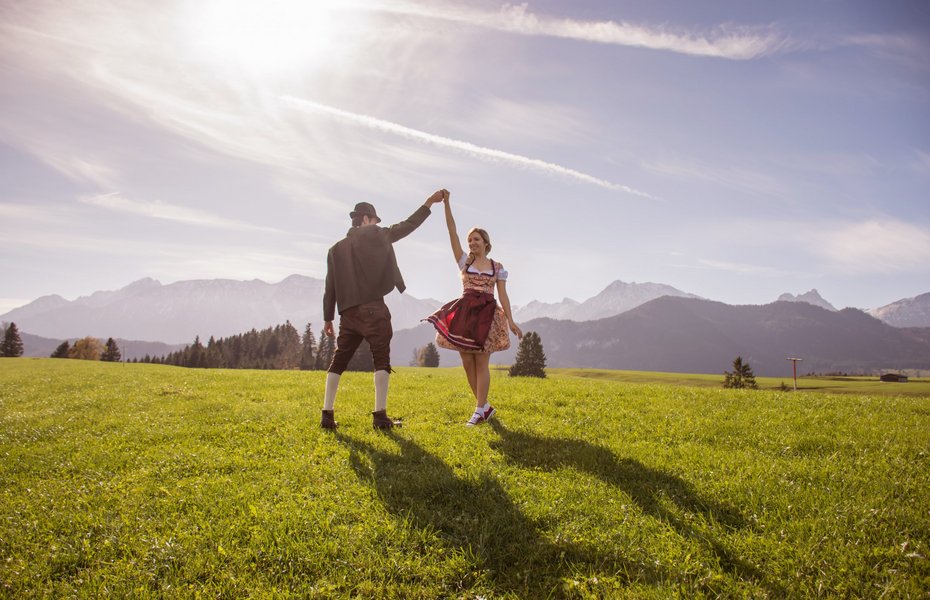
501,273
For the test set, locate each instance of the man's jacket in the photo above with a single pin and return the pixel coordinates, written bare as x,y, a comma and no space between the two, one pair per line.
362,266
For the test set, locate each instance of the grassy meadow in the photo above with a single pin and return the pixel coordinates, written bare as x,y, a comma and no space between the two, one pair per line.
865,385
154,481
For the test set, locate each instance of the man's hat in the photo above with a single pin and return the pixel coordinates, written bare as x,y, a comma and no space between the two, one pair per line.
363,209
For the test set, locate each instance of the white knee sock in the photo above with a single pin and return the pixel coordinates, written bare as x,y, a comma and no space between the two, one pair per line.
381,389
332,384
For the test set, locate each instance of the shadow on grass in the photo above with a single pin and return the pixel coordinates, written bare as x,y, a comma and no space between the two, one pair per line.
652,490
479,518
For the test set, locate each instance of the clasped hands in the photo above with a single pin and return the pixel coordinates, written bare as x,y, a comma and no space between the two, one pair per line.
438,196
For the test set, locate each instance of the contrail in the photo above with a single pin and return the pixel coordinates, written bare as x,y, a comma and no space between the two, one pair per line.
467,147
728,42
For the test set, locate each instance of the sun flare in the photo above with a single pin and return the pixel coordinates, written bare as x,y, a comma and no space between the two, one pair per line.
275,36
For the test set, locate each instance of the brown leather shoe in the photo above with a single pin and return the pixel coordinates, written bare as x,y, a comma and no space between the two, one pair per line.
380,420
328,421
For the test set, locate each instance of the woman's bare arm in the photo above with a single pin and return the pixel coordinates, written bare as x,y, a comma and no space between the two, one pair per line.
453,234
505,304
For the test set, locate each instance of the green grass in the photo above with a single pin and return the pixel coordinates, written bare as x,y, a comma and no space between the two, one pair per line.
153,481
850,385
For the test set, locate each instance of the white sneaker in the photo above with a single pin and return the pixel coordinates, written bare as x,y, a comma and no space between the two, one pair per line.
477,418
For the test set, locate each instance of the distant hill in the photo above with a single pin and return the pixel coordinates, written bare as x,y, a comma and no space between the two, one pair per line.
700,336
616,298
811,297
909,312
177,312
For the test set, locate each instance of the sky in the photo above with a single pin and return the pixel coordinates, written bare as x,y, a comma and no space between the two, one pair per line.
733,149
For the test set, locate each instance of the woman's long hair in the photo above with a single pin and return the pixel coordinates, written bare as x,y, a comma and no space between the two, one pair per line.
487,243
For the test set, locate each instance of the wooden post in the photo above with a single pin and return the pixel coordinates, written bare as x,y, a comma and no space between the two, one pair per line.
794,365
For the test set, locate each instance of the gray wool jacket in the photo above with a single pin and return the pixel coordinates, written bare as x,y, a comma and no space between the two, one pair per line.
362,267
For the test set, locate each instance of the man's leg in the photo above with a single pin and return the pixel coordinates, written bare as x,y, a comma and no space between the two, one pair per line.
382,379
347,343
379,333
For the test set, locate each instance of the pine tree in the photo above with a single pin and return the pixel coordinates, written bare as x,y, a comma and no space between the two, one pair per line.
325,351
289,348
428,356
62,350
307,349
213,358
740,377
12,344
111,351
531,360
362,360
194,355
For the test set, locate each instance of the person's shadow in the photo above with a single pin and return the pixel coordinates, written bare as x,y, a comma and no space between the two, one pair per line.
647,487
480,519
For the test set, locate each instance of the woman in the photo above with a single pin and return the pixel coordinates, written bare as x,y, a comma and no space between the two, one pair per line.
474,324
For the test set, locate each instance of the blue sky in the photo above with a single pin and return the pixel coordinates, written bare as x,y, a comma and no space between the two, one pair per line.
735,150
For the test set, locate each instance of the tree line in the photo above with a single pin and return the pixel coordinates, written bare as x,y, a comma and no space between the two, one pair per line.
88,348
278,347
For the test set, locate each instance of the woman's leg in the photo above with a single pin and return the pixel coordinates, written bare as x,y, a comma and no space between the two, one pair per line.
482,378
468,362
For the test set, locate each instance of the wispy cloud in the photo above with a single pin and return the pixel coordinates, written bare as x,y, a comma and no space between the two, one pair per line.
168,212
922,162
78,169
459,145
531,121
878,245
232,262
14,212
904,49
727,175
178,260
736,43
78,162
735,267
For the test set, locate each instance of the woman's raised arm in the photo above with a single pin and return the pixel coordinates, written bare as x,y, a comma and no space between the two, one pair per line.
453,234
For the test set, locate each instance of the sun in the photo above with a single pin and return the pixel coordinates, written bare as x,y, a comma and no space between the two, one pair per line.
274,36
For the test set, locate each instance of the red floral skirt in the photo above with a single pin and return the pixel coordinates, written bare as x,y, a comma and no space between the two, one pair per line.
472,323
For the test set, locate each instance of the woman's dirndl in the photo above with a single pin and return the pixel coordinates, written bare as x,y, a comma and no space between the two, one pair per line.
474,322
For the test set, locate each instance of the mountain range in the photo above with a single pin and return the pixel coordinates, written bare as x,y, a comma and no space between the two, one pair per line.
616,298
592,333
177,312
687,335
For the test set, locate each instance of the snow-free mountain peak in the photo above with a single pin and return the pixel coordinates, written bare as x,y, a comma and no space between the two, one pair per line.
618,297
811,297
908,312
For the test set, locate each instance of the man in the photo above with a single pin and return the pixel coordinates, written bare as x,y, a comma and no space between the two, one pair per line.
360,270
